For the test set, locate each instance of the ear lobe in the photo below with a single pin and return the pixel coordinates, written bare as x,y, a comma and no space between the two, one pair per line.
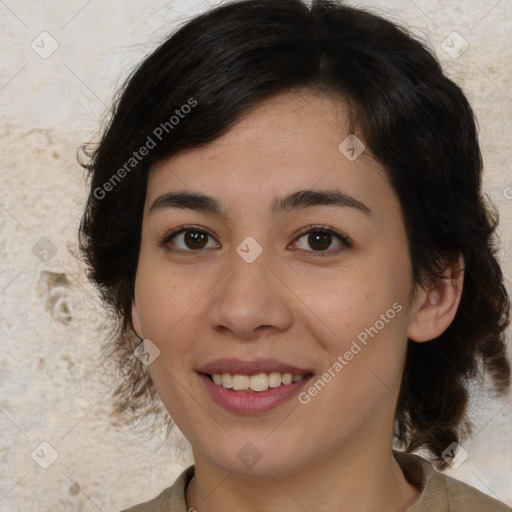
437,307
136,320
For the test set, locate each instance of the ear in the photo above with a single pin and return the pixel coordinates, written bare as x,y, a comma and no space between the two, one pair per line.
436,307
136,320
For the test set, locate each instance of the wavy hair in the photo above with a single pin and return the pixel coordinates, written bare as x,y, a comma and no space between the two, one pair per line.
414,119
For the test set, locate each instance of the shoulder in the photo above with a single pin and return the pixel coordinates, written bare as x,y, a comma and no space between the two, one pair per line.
171,499
463,497
442,493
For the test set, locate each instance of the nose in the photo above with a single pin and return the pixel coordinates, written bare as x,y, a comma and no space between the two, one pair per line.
252,299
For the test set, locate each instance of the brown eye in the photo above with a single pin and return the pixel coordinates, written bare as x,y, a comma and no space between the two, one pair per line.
195,239
187,240
321,238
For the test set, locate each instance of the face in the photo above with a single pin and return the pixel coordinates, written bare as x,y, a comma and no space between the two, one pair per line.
318,286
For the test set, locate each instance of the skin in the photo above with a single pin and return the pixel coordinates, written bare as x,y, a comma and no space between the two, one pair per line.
289,304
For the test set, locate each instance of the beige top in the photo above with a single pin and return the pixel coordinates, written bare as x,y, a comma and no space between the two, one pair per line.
439,492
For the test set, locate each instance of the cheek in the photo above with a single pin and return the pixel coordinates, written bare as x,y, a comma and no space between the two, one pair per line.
346,306
361,323
165,301
362,317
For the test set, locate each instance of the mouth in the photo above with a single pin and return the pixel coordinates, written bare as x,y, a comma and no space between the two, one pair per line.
255,383
252,387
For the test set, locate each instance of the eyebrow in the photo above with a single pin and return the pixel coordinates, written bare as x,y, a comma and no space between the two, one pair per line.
293,201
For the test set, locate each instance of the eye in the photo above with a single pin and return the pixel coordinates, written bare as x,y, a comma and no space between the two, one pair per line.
320,238
194,239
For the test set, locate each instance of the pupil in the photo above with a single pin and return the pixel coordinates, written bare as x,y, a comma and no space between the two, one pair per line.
194,238
322,239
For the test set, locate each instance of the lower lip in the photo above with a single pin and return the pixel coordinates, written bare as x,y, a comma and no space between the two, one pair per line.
252,403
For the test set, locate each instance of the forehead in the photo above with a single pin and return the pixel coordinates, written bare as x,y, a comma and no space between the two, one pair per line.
292,141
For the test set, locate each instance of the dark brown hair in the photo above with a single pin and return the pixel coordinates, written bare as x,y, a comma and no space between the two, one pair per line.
416,122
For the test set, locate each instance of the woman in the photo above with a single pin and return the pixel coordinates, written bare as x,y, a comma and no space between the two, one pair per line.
285,215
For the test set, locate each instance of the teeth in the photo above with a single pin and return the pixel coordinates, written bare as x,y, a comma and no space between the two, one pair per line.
240,382
259,382
274,379
227,380
287,378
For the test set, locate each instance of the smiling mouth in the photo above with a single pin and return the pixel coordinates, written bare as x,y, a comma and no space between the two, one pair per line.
255,383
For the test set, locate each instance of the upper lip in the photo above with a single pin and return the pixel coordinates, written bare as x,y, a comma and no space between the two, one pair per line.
239,367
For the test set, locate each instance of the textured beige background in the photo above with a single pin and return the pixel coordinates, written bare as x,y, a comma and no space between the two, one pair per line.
52,386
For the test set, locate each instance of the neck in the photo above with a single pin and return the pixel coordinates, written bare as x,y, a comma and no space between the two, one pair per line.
365,482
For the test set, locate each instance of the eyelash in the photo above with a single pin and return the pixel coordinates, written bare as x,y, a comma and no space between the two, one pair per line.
164,241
